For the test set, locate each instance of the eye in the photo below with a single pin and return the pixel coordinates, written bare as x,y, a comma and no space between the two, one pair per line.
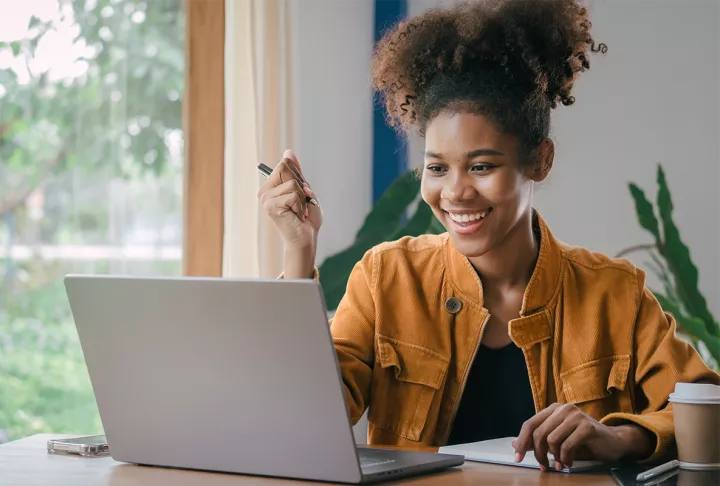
481,168
435,169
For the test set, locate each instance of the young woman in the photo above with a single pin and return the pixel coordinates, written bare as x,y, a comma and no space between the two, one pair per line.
494,328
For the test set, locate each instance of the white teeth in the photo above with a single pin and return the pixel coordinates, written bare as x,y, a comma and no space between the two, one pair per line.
466,218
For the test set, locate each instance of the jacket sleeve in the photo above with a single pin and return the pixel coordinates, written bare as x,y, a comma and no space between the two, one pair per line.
661,360
315,276
353,332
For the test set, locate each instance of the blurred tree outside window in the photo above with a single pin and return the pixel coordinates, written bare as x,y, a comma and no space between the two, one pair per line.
91,179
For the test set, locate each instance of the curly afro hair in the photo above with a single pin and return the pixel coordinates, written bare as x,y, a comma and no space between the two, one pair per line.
510,60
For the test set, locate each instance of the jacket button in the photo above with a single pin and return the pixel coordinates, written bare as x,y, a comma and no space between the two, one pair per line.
453,305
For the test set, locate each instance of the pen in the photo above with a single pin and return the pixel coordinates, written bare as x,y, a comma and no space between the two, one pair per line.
662,477
651,473
266,171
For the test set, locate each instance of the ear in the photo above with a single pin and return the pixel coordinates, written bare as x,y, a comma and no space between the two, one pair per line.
544,160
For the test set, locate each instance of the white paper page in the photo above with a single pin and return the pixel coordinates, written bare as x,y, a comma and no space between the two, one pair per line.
500,451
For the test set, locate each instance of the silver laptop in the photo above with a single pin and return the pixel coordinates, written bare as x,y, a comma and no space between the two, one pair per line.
236,376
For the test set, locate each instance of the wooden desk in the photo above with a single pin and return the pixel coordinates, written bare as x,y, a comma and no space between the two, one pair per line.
26,462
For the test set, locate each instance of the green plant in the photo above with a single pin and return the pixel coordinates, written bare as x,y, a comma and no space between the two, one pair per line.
385,222
44,384
671,262
108,108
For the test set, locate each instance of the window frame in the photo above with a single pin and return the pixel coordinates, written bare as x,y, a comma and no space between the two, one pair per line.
204,128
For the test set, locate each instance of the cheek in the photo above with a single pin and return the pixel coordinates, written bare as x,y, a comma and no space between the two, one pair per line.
506,188
430,191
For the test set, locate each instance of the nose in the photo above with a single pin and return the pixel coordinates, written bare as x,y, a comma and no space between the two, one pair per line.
459,187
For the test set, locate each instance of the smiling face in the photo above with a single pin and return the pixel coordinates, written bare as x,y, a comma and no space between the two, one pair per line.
475,182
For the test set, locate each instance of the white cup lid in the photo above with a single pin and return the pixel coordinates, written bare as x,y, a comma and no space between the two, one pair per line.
700,393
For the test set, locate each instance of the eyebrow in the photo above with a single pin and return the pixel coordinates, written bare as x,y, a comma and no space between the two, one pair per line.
469,155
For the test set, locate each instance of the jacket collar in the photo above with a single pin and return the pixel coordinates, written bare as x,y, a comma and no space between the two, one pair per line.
543,283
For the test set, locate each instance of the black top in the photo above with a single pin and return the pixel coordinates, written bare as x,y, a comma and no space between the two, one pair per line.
497,397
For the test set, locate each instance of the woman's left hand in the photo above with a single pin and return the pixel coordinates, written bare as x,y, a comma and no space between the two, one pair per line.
569,434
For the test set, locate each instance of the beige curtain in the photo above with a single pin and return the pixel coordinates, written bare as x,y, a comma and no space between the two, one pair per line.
259,116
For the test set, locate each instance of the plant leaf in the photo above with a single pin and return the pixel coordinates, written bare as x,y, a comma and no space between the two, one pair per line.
335,272
436,227
15,46
691,325
34,22
677,255
388,211
417,225
645,212
660,269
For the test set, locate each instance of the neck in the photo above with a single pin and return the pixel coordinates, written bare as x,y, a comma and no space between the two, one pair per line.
511,263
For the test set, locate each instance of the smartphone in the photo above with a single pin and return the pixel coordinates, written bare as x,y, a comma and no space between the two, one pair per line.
93,445
626,476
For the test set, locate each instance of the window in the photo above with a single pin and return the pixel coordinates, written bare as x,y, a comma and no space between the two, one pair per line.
91,181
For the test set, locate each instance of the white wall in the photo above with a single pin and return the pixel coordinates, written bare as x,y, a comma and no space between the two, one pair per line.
654,97
333,48
334,42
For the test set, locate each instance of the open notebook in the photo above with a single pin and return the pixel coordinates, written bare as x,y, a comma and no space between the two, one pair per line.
500,451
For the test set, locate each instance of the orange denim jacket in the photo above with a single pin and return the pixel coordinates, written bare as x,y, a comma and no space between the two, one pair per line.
591,332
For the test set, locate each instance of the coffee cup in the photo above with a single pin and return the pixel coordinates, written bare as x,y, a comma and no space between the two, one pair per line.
697,425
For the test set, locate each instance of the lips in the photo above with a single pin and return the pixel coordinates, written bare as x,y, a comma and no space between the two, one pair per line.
468,223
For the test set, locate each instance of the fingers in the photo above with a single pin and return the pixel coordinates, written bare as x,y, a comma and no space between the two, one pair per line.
295,171
289,195
562,430
556,438
550,435
291,202
282,172
295,165
581,434
289,170
524,441
549,431
289,154
542,432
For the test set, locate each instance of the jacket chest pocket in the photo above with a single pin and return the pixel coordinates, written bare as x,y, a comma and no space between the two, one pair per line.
405,381
600,386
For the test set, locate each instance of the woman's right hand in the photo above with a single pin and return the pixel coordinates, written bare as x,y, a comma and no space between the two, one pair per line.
282,197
